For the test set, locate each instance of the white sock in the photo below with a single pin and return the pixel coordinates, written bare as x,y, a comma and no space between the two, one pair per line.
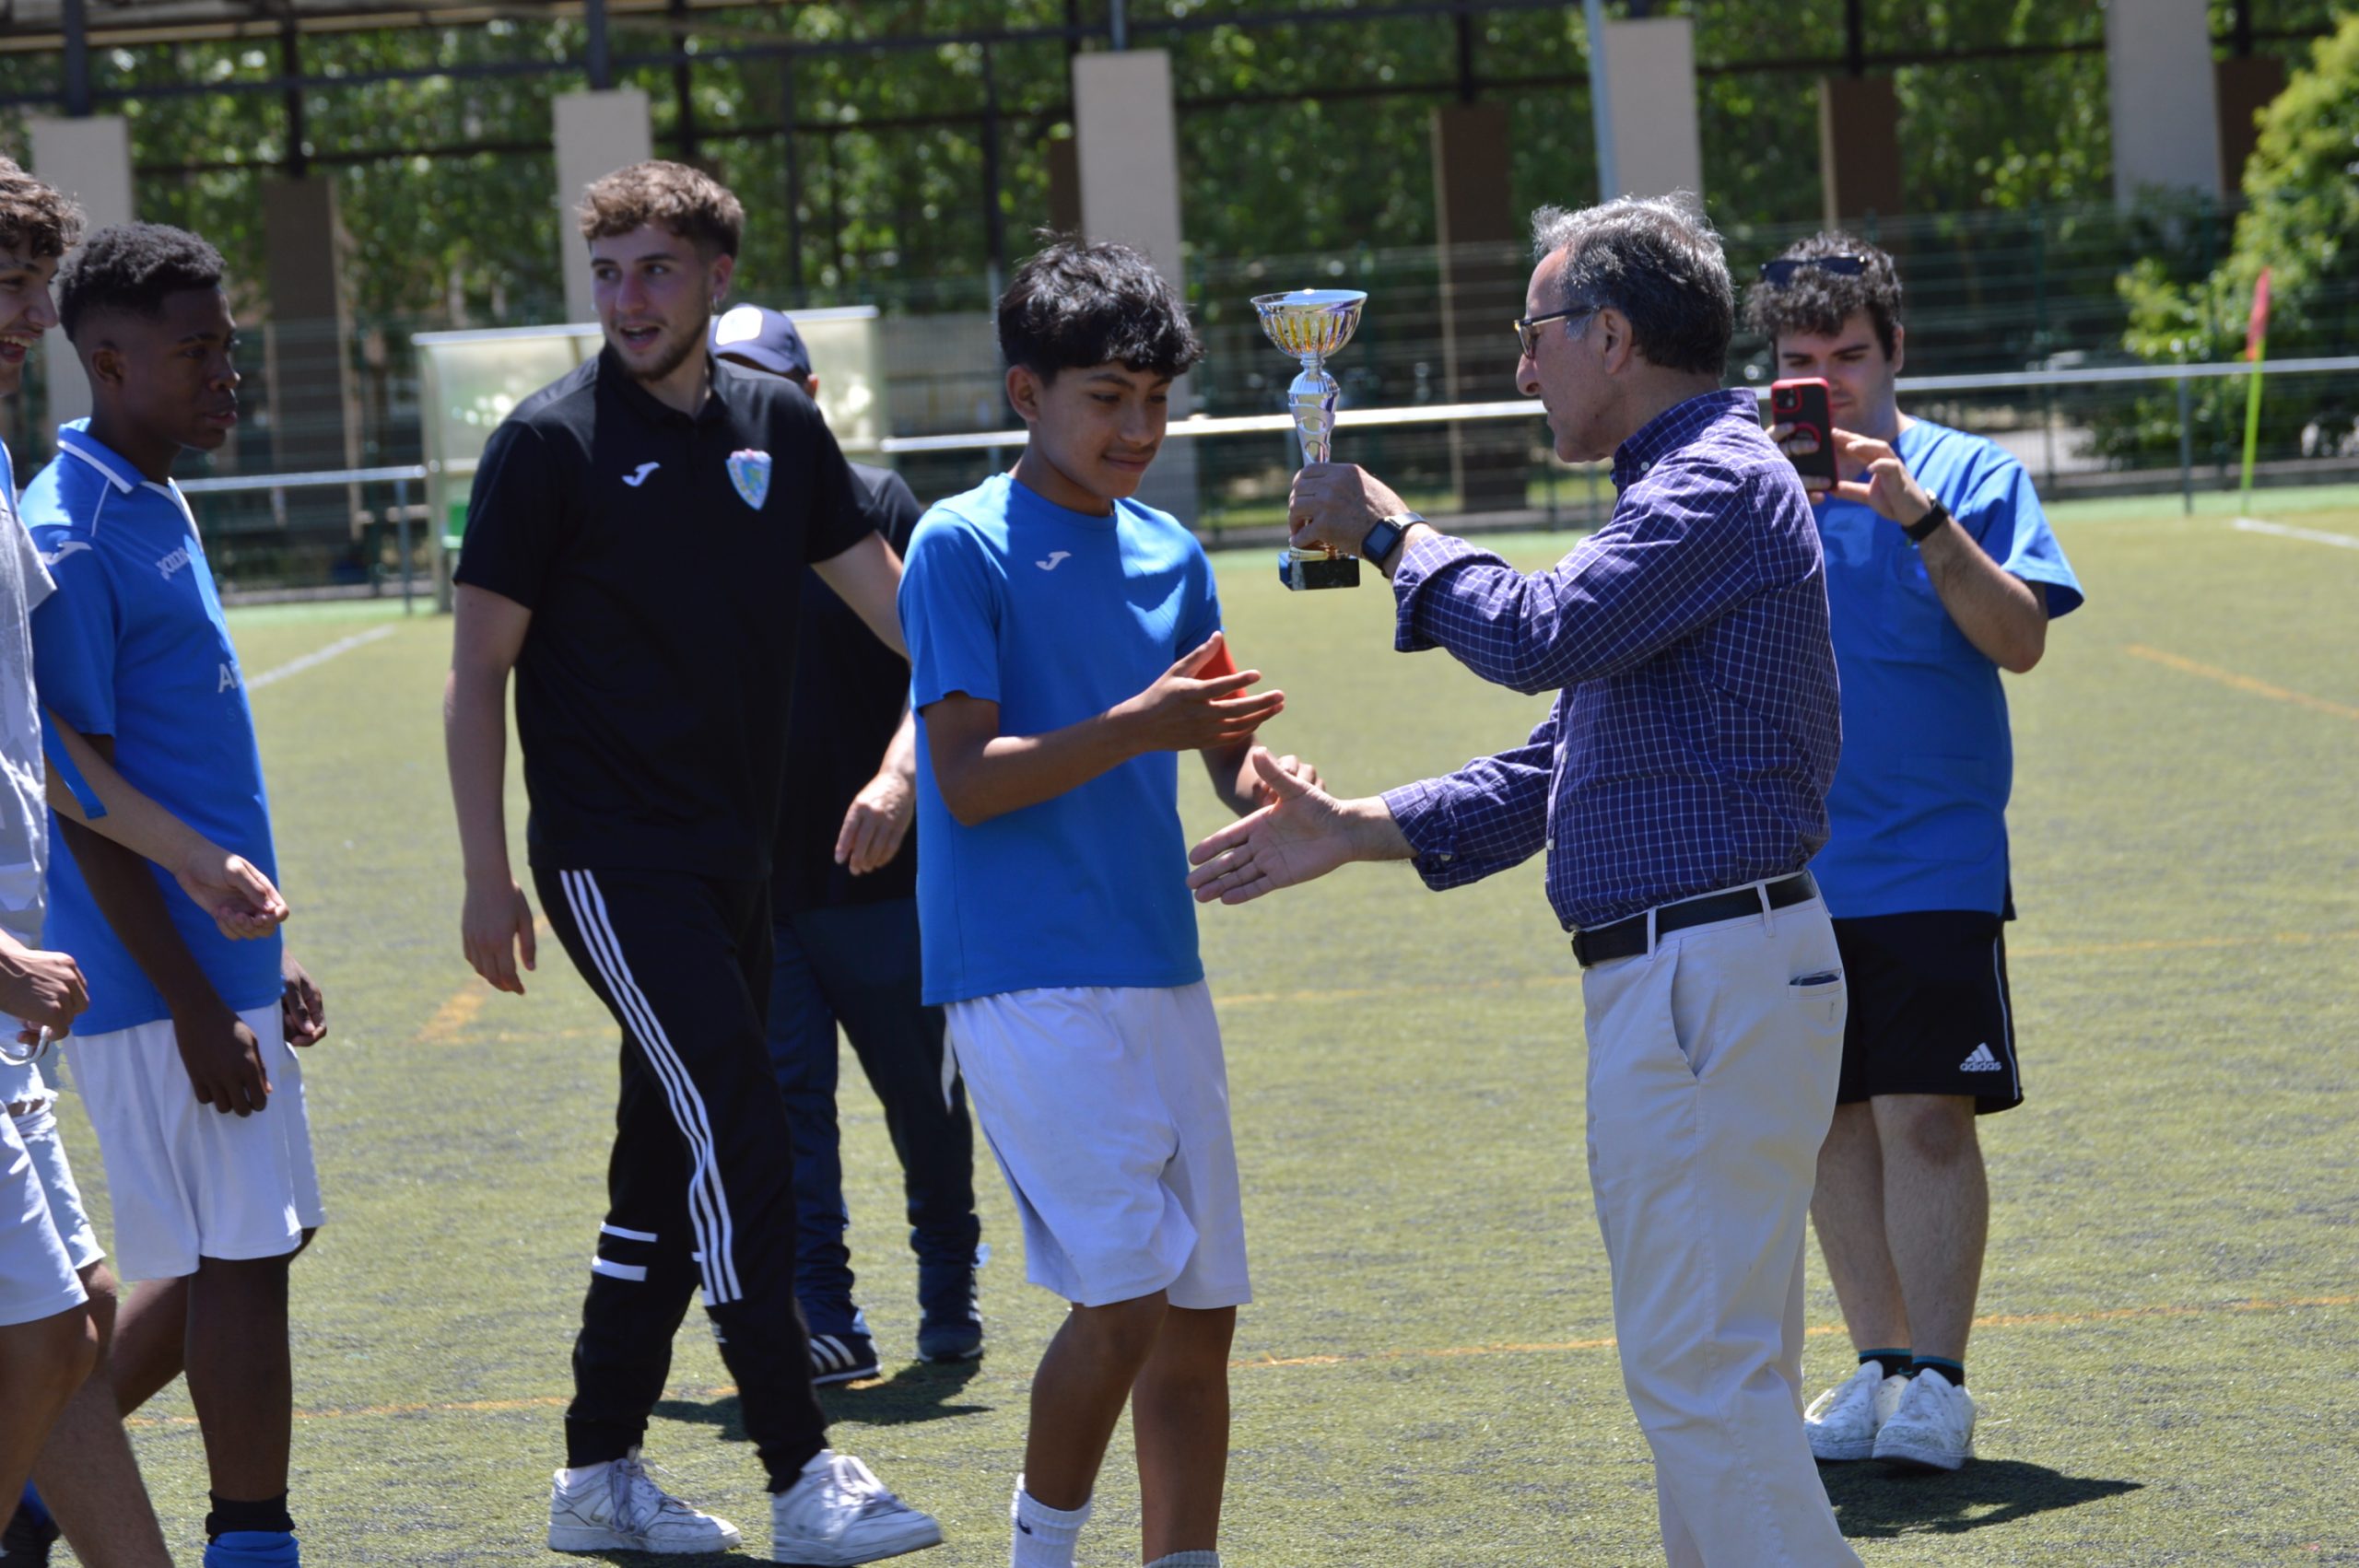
1188,1560
575,1480
1043,1537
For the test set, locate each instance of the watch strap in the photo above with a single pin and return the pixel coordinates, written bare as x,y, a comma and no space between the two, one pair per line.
1381,541
1922,528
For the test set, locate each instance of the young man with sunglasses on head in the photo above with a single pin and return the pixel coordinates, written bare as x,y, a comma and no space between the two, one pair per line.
1941,571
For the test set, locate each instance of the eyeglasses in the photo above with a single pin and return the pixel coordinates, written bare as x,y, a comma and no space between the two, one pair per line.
1779,272
1527,328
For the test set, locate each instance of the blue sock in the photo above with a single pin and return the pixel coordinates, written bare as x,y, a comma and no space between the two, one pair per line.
1952,1370
253,1548
30,1507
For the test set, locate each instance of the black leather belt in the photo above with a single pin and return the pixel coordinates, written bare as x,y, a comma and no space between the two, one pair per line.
1627,937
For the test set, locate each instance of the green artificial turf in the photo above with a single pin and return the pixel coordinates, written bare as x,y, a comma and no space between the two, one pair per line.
2172,1313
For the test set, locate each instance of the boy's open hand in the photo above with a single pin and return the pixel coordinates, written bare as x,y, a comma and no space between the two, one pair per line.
242,901
1183,713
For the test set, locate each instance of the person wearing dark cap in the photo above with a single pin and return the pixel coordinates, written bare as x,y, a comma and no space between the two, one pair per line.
844,906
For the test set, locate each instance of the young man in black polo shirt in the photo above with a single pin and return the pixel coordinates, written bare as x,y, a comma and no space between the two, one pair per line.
844,925
633,542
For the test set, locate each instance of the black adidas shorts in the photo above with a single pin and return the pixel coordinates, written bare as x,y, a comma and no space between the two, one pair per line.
1930,1012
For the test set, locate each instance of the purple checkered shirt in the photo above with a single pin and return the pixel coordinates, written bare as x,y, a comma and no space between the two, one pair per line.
1697,722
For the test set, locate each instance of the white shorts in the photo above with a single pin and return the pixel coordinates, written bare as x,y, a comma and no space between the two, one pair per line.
37,1128
1108,1110
187,1181
37,1278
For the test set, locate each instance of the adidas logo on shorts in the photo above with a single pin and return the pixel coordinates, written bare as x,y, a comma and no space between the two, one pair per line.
1982,1061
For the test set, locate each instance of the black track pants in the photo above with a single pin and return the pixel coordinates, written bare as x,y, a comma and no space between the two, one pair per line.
700,1189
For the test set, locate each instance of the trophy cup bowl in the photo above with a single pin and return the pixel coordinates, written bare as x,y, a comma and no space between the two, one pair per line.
1310,324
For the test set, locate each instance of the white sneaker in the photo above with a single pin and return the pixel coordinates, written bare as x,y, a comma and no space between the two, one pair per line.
1842,1424
617,1507
1933,1427
838,1513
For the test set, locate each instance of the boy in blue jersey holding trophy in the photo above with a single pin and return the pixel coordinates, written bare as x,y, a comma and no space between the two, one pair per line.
1065,643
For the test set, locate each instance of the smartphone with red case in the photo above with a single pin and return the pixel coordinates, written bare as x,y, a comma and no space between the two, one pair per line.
1804,403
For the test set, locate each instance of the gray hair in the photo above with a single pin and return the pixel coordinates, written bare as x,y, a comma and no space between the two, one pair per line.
1657,260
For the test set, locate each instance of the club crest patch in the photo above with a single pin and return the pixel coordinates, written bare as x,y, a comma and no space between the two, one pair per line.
750,472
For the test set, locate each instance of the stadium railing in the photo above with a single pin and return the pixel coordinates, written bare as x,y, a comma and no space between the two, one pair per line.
1432,452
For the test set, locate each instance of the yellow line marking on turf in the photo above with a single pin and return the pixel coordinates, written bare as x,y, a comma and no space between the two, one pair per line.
453,1015
1269,1362
460,1008
2241,683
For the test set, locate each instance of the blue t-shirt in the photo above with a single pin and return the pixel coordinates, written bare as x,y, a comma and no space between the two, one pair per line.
1916,816
1056,616
133,645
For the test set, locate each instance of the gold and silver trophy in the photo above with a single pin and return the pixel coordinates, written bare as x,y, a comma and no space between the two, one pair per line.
1311,324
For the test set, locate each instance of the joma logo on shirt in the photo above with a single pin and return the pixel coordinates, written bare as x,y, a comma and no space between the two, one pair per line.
169,564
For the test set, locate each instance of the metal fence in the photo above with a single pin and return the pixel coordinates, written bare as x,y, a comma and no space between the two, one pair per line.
2049,419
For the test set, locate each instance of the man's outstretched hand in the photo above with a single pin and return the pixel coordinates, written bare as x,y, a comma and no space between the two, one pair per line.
1302,834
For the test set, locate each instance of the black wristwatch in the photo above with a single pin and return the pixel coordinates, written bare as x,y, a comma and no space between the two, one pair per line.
1922,528
1385,537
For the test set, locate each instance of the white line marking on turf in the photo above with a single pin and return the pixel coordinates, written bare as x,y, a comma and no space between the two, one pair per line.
2316,537
320,655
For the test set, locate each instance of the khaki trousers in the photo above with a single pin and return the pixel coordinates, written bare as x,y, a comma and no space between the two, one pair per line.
1712,1070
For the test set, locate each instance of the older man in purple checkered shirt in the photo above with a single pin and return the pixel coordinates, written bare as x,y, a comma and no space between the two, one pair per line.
1678,788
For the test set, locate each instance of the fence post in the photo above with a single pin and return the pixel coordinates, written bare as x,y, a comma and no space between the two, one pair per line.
400,522
2186,450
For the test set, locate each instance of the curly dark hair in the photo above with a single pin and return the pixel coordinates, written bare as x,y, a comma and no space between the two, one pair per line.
133,267
36,220
1075,305
687,202
1818,301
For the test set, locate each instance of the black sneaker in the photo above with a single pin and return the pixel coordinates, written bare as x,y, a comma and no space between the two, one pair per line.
27,1539
842,1353
952,1327
951,1341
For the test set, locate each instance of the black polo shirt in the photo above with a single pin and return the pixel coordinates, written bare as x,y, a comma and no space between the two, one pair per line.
662,554
848,693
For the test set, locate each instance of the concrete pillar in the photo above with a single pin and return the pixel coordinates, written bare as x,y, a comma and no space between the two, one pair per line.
313,395
1126,149
2245,87
1483,271
1642,91
2162,102
597,133
1859,149
89,159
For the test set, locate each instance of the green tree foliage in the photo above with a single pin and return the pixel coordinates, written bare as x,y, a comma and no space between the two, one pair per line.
2301,190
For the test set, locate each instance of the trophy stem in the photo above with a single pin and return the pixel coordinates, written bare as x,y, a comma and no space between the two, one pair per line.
1312,399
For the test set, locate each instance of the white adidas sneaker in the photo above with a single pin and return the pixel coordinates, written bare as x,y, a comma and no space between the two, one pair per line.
1842,1424
1933,1427
618,1507
838,1513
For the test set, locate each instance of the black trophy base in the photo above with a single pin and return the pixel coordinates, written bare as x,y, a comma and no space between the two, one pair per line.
1318,571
